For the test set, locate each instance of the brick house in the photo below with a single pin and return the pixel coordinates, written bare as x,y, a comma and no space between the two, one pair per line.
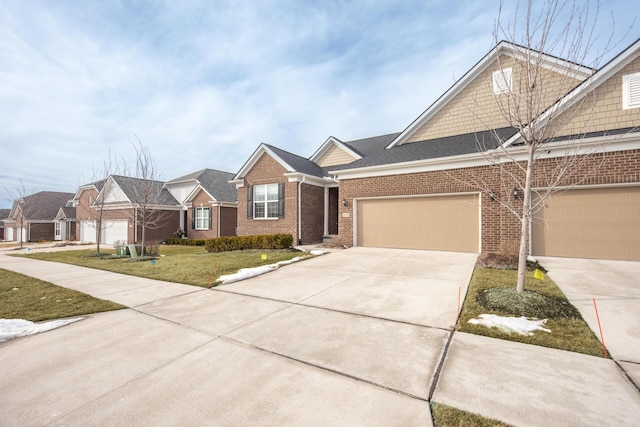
209,203
435,185
4,213
119,199
33,218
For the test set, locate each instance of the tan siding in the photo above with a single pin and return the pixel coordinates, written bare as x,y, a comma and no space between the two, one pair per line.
448,223
601,223
335,156
476,108
602,110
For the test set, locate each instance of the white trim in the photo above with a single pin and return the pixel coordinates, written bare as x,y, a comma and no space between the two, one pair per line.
328,144
503,48
262,149
502,81
611,143
589,186
418,196
308,179
326,212
627,102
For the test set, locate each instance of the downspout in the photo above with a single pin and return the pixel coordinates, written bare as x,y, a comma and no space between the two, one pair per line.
219,211
135,225
300,210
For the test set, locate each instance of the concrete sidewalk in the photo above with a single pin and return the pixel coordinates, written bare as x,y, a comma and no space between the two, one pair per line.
356,337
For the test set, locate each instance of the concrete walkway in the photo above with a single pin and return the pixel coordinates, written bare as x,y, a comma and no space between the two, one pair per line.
356,337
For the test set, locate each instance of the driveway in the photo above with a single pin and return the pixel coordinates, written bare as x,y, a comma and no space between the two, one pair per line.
349,338
615,285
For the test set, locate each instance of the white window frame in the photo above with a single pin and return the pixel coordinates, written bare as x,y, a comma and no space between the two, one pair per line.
502,81
202,220
631,91
58,229
268,206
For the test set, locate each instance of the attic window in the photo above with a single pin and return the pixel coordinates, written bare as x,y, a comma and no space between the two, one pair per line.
631,91
502,81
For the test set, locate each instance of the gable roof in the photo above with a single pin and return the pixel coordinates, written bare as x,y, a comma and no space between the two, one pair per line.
430,149
330,142
43,206
66,212
572,97
131,186
97,185
214,182
580,72
290,162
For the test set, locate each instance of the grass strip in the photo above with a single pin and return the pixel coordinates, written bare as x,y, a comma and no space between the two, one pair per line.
23,297
191,265
569,331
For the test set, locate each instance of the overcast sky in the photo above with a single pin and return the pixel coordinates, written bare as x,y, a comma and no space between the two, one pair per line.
203,83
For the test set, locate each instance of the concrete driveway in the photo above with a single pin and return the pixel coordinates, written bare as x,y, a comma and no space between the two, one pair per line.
349,338
615,285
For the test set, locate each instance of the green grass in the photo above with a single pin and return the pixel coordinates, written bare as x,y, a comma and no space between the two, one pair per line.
568,333
23,297
191,265
446,416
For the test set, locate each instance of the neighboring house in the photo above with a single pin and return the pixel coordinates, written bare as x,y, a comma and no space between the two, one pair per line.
4,213
33,218
122,202
65,224
209,203
414,189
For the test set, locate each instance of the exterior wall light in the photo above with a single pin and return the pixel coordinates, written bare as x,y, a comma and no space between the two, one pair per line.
516,195
345,203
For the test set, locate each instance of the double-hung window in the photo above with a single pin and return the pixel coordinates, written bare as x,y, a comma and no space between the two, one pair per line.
202,218
265,201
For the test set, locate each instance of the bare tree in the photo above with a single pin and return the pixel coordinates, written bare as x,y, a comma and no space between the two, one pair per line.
532,97
20,210
146,193
109,167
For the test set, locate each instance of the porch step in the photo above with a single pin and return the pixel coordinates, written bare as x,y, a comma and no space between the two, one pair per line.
329,238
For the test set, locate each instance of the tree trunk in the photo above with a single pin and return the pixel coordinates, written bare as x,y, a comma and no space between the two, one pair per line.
525,221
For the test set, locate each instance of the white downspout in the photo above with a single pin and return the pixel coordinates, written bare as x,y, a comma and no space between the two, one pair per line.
300,210
219,210
326,211
135,225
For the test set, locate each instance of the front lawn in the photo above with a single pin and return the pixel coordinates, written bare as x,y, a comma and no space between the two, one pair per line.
446,416
23,297
492,291
191,265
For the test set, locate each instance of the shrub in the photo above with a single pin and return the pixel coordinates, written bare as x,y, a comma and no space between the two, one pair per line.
262,241
185,242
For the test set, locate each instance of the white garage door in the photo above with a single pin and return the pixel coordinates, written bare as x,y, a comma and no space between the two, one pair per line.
115,230
601,223
9,234
446,223
88,231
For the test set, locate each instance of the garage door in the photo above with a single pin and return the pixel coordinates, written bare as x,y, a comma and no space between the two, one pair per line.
447,223
88,231
9,234
115,230
601,223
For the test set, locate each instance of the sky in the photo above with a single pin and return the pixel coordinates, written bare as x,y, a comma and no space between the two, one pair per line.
203,83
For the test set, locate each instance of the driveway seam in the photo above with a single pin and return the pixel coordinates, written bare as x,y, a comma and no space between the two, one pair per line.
626,375
324,368
436,374
368,316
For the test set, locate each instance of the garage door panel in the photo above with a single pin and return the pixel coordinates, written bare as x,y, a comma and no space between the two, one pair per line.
88,231
449,223
115,230
589,223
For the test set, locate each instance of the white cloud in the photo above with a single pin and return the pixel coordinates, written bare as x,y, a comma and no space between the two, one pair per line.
202,83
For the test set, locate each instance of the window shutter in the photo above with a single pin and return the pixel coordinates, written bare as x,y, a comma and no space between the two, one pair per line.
281,200
250,202
209,218
193,218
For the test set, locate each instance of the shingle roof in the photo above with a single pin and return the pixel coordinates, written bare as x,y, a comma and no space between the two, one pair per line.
132,186
297,163
44,205
368,146
4,214
217,184
69,212
430,149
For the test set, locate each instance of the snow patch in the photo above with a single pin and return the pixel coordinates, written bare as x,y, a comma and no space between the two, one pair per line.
317,252
520,325
246,273
16,328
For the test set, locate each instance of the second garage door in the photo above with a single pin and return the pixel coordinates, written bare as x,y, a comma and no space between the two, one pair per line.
115,230
602,223
446,223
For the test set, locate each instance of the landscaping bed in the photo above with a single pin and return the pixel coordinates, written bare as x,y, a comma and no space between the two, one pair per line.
492,291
